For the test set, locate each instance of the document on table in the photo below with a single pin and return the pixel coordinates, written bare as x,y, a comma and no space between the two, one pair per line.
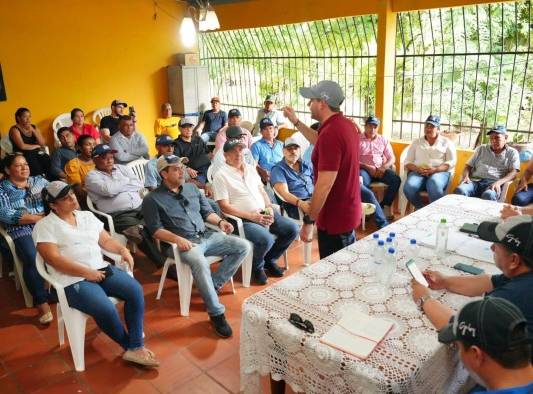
463,244
357,334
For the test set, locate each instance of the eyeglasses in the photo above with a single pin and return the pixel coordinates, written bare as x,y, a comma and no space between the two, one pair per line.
305,325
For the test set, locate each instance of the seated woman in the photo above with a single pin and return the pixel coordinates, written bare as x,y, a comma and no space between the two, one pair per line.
78,168
27,139
20,208
69,241
79,127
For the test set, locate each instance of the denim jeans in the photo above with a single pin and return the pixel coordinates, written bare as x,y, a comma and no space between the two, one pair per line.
25,249
92,298
331,243
435,185
209,136
267,249
390,178
477,189
523,198
369,197
232,249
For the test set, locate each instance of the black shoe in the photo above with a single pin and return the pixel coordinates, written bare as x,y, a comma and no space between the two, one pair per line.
274,270
259,277
221,326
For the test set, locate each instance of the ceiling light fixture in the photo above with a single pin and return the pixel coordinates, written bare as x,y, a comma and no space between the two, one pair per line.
199,13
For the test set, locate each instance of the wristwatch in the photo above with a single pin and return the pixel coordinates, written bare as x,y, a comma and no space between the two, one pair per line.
422,300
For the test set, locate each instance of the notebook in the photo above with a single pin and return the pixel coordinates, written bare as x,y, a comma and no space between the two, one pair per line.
357,334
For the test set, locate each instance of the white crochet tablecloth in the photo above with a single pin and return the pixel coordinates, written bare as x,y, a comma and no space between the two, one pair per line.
409,360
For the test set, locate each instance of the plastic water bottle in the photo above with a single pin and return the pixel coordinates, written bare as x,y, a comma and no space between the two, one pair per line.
394,240
442,238
389,244
387,268
412,250
375,237
378,255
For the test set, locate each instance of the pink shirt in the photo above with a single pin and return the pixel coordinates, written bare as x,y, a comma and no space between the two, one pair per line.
374,152
221,138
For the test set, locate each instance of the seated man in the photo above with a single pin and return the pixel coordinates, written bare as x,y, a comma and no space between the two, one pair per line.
268,150
234,119
238,190
292,179
524,192
429,162
167,123
109,123
63,154
494,345
212,121
115,190
193,148
164,146
490,167
129,144
269,111
175,212
376,159
78,168
232,133
513,255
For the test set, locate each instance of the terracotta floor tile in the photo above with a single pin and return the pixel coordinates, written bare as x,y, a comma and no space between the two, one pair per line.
227,373
202,384
48,371
187,333
69,385
10,385
209,352
138,386
27,354
108,376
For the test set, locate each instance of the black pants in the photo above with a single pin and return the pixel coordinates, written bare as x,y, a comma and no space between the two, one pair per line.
331,243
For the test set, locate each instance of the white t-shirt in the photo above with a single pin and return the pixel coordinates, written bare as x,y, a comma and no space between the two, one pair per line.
241,191
79,243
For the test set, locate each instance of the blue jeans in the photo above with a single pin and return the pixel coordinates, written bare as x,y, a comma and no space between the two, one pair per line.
435,185
233,250
379,216
523,198
266,249
477,189
209,136
390,178
25,249
92,298
331,243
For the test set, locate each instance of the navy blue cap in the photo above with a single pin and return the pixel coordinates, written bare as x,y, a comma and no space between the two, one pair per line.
499,129
372,120
102,149
164,140
230,144
433,120
234,112
265,122
186,122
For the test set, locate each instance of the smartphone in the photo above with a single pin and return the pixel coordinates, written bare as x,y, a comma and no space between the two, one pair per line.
107,271
416,273
470,269
469,228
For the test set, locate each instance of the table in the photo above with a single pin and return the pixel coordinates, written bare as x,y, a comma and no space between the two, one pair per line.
410,359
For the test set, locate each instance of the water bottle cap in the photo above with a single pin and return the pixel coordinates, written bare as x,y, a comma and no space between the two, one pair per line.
392,235
391,250
375,235
443,220
381,243
389,239
413,242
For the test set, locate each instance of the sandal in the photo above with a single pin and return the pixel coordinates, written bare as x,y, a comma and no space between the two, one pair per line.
146,358
47,318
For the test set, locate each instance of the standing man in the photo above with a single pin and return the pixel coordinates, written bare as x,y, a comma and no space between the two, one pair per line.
109,123
212,121
269,111
336,201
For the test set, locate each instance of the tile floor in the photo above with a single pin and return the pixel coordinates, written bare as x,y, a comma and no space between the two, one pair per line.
193,359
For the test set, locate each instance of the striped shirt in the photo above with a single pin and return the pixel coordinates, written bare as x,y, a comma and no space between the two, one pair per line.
15,202
488,165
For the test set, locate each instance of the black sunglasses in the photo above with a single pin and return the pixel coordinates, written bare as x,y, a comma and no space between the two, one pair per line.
297,321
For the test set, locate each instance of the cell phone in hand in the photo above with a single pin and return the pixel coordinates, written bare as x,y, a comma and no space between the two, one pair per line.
470,269
107,271
416,273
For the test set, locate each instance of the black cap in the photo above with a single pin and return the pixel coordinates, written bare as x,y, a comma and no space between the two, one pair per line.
233,132
234,112
515,233
372,120
102,149
265,122
231,144
164,139
488,324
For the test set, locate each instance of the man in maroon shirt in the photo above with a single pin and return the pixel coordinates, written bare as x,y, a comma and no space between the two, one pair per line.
336,201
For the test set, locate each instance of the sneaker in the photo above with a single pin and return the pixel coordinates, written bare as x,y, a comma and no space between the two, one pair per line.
221,326
47,318
368,209
259,277
142,357
388,212
274,270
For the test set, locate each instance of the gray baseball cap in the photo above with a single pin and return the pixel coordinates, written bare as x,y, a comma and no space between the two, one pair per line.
329,91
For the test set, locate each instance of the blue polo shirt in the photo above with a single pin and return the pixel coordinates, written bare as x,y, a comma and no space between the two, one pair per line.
267,155
299,184
214,120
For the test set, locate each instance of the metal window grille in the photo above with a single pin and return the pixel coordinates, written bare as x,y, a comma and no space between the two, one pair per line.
470,65
247,64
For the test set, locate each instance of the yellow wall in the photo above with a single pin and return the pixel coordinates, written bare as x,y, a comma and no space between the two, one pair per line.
58,54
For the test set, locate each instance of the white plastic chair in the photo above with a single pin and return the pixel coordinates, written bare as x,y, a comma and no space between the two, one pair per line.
99,114
300,221
109,220
17,268
185,278
73,319
246,124
138,168
404,203
6,146
62,120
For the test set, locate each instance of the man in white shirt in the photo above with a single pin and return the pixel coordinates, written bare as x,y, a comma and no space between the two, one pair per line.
239,191
232,133
429,161
269,111
129,144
